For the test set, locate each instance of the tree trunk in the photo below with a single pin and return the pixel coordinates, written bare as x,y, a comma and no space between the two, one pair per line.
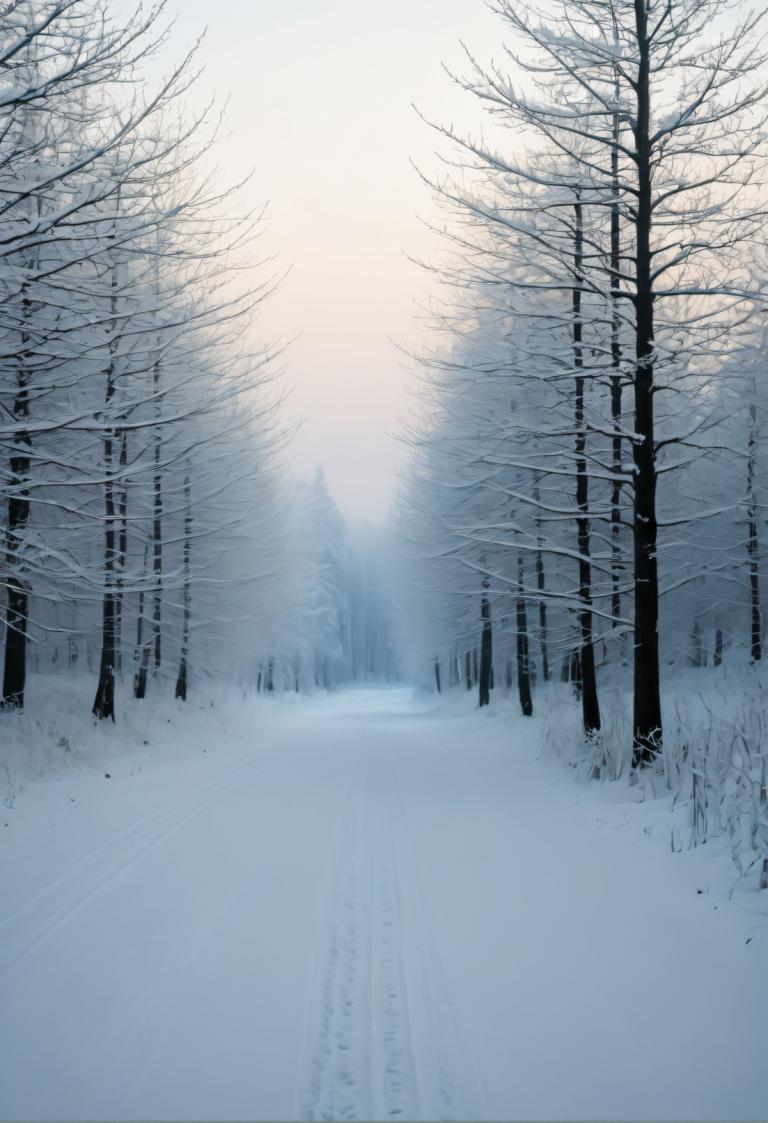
486,646
122,551
437,676
753,543
575,672
541,584
104,702
647,688
15,662
141,654
468,671
589,703
17,613
616,443
718,657
157,540
181,681
523,670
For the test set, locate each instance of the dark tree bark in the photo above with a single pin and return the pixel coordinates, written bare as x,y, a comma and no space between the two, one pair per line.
486,646
616,389
646,722
574,674
181,681
753,544
437,676
17,613
541,584
718,657
475,667
468,671
157,539
523,668
141,654
104,702
122,550
590,707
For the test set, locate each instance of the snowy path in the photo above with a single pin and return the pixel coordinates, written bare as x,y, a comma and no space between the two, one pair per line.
372,911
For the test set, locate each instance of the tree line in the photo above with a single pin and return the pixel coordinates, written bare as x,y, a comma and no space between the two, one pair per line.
586,486
139,437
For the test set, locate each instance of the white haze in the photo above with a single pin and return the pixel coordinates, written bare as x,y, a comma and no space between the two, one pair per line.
320,108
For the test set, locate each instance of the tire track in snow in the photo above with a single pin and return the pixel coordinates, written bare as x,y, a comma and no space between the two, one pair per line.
338,1060
397,1084
362,1061
451,1079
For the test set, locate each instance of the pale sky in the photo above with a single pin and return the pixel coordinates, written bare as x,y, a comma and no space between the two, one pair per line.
320,107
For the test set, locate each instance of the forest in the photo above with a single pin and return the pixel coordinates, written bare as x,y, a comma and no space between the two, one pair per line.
148,534
556,631
586,496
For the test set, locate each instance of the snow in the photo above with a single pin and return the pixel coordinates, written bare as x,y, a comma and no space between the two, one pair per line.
362,905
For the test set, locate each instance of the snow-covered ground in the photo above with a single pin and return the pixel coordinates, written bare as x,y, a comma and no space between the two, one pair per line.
361,906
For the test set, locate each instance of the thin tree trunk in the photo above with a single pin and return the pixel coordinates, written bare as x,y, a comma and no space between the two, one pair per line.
468,671
541,584
141,655
486,645
104,702
616,406
590,707
437,676
17,612
157,537
181,681
523,669
17,617
647,686
575,672
122,551
753,544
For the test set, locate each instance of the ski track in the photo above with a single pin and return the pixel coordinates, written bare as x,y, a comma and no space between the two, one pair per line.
361,1058
94,872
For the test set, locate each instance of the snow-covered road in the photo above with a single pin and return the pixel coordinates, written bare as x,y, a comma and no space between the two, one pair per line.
372,909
